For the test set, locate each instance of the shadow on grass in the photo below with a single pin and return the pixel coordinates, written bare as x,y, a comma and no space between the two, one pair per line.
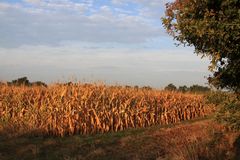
144,143
128,144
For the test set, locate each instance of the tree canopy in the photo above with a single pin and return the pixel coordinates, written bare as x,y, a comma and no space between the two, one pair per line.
23,81
213,28
170,87
193,89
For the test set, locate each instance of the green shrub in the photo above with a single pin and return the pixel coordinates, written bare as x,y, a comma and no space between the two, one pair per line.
229,114
217,97
228,108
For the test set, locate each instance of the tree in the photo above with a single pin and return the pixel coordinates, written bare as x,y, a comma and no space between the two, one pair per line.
198,88
147,88
38,83
20,81
183,88
213,28
170,87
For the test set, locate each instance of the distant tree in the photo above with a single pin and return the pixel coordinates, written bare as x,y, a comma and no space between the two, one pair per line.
136,87
198,88
213,28
127,86
170,87
39,83
20,81
24,81
183,88
147,88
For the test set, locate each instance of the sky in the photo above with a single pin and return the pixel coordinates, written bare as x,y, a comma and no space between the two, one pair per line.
111,41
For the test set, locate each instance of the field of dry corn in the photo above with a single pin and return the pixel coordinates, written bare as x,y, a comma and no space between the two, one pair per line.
92,108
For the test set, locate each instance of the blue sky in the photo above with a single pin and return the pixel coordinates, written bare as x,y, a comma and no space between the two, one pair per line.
114,41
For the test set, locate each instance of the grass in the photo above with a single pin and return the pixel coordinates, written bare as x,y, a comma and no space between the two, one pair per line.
180,141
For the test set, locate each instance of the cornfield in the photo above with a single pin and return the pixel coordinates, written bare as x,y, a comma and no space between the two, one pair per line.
92,108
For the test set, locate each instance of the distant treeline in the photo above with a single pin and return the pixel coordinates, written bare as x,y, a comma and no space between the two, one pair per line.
171,87
193,88
24,81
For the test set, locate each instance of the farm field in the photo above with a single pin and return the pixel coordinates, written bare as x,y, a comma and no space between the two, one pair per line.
95,121
61,110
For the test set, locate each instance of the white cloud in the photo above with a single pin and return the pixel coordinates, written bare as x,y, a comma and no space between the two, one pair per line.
117,2
39,25
148,9
152,3
4,6
32,1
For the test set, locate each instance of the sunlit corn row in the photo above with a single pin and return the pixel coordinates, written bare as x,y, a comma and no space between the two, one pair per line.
87,109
